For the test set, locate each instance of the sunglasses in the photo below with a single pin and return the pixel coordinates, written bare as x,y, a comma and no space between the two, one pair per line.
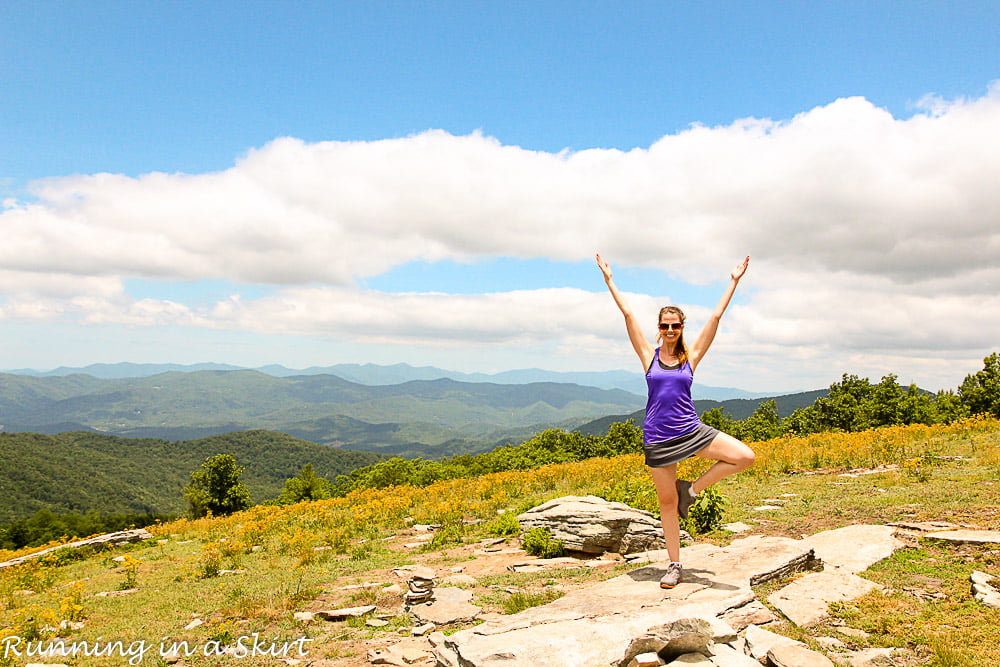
671,326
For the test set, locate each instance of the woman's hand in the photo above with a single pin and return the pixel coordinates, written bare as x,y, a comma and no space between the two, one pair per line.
738,271
606,268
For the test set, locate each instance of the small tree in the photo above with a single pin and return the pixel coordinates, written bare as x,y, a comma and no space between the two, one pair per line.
981,391
306,486
216,487
718,418
763,424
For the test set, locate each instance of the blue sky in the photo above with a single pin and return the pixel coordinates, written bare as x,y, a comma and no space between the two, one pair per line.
310,183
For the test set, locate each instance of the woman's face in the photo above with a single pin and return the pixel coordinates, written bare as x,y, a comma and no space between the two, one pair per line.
670,327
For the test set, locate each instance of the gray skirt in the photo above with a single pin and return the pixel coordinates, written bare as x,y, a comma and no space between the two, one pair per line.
662,454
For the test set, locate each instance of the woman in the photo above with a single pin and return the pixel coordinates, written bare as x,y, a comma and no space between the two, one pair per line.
672,430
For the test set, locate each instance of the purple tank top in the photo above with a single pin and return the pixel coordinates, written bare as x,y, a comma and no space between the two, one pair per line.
670,410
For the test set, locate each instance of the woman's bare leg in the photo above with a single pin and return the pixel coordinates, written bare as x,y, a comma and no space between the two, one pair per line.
731,456
665,480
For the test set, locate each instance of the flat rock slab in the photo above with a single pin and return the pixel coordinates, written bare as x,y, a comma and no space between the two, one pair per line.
797,656
760,642
805,601
967,536
596,625
854,549
868,657
343,614
450,605
546,564
738,527
925,526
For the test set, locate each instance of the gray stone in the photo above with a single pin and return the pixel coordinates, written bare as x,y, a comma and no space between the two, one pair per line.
544,564
399,656
981,578
692,659
685,635
450,605
805,601
797,656
343,614
98,542
752,613
869,657
646,660
925,526
116,594
422,630
854,549
737,527
967,536
983,590
594,525
760,642
724,655
418,571
830,642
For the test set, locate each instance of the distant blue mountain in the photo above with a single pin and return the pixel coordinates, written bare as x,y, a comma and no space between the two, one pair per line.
374,374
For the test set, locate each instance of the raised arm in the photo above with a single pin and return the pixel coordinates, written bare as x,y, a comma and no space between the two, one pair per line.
641,346
707,335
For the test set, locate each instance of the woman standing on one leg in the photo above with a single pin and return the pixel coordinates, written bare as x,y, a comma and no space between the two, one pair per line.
672,430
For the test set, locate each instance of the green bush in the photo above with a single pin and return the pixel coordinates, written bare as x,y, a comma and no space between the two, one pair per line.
504,525
705,515
539,542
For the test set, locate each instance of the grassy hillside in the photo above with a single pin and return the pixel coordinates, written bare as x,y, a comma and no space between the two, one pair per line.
317,555
82,471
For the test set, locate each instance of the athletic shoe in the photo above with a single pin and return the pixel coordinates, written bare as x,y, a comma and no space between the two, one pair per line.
685,497
672,577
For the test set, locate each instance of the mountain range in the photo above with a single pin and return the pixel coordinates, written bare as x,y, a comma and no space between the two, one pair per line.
374,374
430,418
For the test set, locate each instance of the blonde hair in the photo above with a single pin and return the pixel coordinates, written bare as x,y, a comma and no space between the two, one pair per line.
680,349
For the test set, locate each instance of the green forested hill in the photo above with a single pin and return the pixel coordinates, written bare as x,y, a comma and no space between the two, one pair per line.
83,471
411,417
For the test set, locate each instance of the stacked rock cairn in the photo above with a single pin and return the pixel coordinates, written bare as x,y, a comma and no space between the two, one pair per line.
421,589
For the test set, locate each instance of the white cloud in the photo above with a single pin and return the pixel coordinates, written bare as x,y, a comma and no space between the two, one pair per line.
873,238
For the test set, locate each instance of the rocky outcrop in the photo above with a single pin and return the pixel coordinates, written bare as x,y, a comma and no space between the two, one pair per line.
598,625
98,542
593,525
629,621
